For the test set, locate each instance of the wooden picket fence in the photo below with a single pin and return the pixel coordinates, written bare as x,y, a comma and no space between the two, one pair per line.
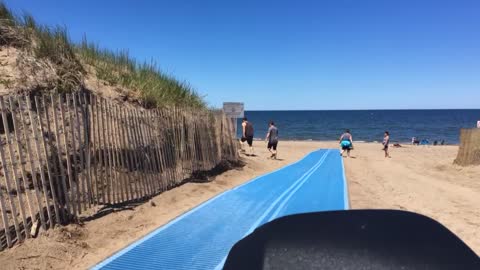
61,155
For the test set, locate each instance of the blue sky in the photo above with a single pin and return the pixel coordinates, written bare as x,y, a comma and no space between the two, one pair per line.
294,54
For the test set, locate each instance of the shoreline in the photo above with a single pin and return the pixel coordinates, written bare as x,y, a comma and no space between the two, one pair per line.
355,141
416,179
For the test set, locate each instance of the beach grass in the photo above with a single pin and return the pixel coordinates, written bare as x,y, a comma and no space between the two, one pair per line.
116,68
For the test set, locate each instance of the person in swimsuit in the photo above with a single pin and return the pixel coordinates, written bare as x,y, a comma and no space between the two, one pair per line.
346,142
386,141
247,134
272,139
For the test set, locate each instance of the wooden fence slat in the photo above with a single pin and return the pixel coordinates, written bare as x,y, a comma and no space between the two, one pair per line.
202,143
148,149
178,147
148,154
123,181
167,150
156,148
120,147
81,174
10,199
178,129
6,225
199,143
191,151
76,169
151,148
117,177
171,151
94,153
160,131
174,145
210,140
143,155
13,166
191,136
138,152
130,152
219,136
108,131
33,124
47,163
107,175
60,168
132,183
186,171
71,183
119,183
16,128
101,152
31,162
135,153
9,190
87,147
51,160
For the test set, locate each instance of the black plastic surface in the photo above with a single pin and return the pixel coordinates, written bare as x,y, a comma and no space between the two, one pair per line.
353,239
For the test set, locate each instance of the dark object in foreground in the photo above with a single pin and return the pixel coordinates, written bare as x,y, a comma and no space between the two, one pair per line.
353,239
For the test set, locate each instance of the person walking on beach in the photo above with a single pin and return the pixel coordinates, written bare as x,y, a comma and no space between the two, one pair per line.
247,134
346,142
272,140
386,141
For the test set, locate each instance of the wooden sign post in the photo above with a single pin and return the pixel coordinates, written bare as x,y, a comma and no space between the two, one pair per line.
234,110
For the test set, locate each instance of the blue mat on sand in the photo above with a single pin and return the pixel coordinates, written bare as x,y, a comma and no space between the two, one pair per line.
202,237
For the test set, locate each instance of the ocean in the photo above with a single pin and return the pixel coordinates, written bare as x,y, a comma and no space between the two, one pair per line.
365,125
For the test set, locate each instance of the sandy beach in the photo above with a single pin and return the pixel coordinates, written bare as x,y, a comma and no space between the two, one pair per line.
421,179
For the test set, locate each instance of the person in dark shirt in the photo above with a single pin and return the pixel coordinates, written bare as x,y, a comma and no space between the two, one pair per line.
247,134
272,139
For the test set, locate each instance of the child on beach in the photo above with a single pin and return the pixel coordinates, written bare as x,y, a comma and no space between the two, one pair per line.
386,141
272,139
346,142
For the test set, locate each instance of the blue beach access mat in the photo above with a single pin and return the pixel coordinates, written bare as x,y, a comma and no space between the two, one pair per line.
202,237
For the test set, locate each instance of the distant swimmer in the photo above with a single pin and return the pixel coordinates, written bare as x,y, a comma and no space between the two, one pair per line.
346,142
272,139
247,134
386,141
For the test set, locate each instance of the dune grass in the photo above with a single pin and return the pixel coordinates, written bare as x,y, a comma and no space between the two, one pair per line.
119,68
116,68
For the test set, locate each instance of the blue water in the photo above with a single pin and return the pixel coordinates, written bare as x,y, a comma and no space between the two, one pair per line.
366,125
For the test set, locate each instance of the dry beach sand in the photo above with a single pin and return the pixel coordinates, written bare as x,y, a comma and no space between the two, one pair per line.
416,178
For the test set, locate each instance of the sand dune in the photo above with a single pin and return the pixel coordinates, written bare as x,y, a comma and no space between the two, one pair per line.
419,179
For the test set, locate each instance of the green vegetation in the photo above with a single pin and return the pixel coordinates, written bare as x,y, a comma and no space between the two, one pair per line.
116,68
119,68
